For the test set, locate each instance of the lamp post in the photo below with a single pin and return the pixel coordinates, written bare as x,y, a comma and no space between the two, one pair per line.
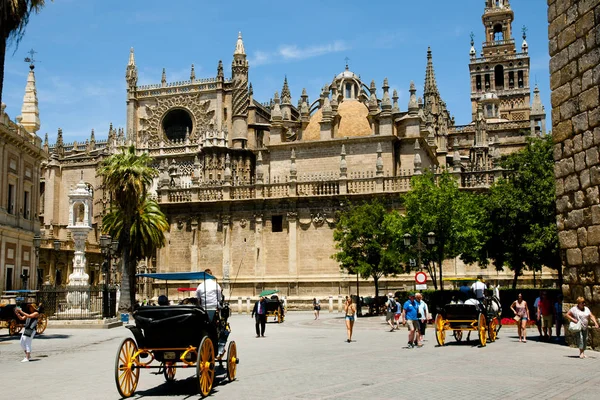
56,245
37,242
420,246
105,246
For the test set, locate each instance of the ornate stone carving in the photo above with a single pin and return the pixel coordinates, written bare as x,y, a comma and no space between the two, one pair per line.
318,219
243,222
199,109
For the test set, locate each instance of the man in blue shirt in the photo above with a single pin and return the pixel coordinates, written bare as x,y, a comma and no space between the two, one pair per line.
409,317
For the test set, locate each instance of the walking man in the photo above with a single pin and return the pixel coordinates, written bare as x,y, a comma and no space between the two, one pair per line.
260,310
390,308
409,317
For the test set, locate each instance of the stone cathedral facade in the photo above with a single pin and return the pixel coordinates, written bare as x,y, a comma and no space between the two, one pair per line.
251,189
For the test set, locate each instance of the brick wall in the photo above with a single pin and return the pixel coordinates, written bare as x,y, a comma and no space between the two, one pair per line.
574,35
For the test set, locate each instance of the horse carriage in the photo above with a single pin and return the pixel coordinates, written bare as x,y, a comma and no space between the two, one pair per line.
484,318
275,306
176,336
24,298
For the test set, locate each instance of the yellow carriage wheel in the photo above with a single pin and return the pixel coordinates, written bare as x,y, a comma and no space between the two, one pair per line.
169,371
440,333
126,375
205,366
481,328
493,329
42,324
231,361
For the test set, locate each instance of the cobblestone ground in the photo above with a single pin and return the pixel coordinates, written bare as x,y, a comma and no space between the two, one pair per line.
307,359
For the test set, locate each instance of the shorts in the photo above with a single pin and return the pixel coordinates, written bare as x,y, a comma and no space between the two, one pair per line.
412,324
397,317
389,316
350,318
546,321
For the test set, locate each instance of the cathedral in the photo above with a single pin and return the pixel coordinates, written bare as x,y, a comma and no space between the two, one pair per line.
251,189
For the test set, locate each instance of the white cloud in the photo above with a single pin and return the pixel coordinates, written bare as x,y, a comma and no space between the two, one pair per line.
292,52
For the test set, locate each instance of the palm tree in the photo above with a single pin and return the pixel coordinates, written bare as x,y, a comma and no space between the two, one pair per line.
14,16
134,220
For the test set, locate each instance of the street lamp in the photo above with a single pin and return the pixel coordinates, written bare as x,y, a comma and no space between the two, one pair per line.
105,246
37,242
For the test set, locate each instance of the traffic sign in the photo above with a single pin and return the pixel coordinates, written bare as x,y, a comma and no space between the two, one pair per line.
421,287
421,277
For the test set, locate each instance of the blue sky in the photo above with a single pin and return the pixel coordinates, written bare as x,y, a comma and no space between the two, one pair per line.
83,48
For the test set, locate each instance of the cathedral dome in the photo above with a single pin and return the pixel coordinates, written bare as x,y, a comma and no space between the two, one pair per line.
346,74
351,121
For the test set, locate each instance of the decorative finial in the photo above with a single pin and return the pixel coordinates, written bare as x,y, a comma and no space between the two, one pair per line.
524,30
472,35
347,59
193,74
30,59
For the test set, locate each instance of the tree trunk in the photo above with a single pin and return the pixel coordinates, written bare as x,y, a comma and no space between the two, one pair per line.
440,264
432,275
2,59
376,281
516,276
125,298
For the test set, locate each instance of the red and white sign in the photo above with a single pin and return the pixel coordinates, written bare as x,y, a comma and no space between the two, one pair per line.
421,277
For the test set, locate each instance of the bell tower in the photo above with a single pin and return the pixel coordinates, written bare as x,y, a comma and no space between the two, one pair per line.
500,68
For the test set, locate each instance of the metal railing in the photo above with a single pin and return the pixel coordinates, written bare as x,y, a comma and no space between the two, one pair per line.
72,302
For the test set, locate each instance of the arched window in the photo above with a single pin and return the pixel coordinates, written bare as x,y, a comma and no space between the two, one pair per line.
499,77
520,79
348,90
498,32
487,81
478,83
511,80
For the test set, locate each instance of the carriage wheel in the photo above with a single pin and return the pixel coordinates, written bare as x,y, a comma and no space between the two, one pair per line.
169,371
205,366
13,328
279,317
458,335
232,361
126,376
493,329
42,324
481,328
440,333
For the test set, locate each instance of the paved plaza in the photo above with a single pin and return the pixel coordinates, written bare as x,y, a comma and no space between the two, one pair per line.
307,359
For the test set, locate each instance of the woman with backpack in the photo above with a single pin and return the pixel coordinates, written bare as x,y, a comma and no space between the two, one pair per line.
390,308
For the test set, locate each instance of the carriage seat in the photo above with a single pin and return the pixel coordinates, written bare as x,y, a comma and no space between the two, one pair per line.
171,326
462,311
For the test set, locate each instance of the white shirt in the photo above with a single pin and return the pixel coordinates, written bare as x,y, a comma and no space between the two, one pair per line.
583,316
424,310
479,289
212,293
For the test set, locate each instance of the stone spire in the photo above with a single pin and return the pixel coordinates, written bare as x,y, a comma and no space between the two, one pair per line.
276,110
373,104
536,107
239,46
59,146
430,83
193,74
46,146
395,108
163,79
92,140
30,114
220,70
286,96
413,106
386,104
131,74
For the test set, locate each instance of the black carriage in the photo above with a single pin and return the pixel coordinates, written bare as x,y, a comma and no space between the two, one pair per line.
275,306
176,336
8,318
483,318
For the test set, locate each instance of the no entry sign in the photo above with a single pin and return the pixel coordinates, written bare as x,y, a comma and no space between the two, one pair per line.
421,277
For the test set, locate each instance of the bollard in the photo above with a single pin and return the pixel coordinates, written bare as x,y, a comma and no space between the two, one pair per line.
247,305
239,305
330,304
339,304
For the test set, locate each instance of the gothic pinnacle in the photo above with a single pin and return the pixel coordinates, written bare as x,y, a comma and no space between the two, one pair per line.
286,96
220,69
163,79
193,74
239,46
430,83
131,57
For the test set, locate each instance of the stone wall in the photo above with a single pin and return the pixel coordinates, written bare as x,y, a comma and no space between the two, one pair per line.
574,34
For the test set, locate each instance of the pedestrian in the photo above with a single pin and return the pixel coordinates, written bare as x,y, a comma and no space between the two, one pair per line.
558,315
409,318
423,315
580,313
544,314
538,321
260,311
349,310
398,314
390,311
521,311
316,307
31,319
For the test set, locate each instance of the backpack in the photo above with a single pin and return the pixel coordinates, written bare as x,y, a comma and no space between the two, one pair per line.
391,305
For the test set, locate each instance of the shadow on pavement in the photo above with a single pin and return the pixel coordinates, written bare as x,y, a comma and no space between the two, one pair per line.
187,386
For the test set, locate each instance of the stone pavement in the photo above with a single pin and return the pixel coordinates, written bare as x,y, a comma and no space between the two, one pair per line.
307,359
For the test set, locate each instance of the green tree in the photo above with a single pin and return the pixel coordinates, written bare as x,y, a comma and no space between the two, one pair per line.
133,219
520,213
362,240
435,204
14,16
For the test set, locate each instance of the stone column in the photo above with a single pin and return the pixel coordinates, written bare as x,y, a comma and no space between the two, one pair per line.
292,218
259,269
574,72
226,220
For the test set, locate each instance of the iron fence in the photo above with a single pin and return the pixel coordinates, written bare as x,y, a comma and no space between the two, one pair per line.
72,302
